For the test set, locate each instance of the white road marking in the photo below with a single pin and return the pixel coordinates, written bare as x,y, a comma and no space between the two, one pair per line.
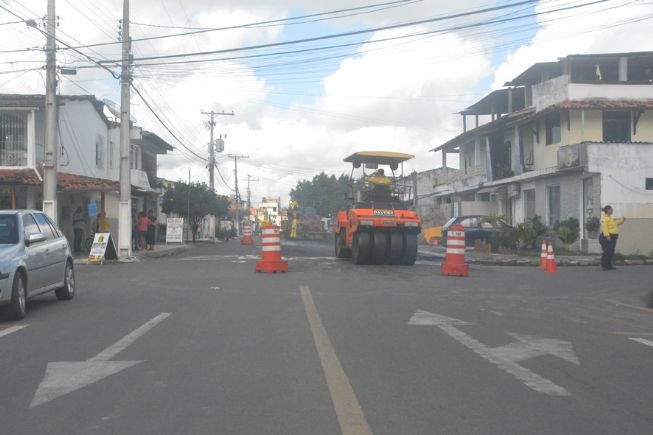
506,357
65,377
12,329
642,341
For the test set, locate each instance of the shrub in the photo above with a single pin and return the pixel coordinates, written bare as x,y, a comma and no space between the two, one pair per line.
568,230
592,224
529,231
505,237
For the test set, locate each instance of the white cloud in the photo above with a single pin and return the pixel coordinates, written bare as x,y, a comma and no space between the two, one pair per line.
397,95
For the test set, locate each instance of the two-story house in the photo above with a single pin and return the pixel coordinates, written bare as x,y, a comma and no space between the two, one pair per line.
562,140
88,158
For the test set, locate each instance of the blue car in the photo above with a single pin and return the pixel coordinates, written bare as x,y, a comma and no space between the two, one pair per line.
476,228
35,258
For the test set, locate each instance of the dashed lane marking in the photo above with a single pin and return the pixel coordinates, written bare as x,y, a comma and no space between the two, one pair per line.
642,341
12,329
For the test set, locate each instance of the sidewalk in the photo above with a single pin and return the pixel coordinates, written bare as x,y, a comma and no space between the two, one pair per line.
161,250
475,257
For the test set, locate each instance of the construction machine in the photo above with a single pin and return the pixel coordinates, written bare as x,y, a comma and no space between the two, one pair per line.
378,227
304,222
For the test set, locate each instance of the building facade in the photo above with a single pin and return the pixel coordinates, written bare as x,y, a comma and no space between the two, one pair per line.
88,159
562,140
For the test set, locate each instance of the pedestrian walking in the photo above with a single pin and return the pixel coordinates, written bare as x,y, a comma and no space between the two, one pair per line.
151,231
142,224
79,222
608,237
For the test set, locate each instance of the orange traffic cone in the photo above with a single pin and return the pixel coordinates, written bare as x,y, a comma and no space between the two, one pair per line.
271,260
454,260
543,255
551,260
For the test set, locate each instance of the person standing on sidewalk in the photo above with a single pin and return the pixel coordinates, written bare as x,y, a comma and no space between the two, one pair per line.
609,236
79,224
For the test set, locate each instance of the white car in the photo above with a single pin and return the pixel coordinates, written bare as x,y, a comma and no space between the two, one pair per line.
35,258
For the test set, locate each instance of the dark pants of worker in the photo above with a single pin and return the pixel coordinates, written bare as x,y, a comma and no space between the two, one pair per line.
78,239
608,245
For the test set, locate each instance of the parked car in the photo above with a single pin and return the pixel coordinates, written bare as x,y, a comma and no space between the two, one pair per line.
476,228
35,258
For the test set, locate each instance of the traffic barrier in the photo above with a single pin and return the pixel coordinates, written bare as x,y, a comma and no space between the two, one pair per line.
543,255
247,235
454,260
271,261
551,260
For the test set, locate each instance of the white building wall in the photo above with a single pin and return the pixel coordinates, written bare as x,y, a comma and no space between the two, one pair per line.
80,127
580,91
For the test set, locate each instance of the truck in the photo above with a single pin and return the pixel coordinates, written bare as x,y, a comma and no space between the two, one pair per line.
378,226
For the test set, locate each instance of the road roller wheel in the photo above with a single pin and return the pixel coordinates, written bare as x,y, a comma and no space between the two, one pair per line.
396,248
361,248
410,249
379,243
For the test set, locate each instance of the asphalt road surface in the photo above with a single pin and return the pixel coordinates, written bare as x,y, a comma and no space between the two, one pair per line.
199,343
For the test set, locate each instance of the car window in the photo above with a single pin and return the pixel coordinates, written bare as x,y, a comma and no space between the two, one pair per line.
44,225
29,225
8,230
469,222
486,225
449,223
55,229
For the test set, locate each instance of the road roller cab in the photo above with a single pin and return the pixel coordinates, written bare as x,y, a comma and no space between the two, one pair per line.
378,227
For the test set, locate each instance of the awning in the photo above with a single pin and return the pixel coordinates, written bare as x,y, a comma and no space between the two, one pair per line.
491,189
140,182
67,181
22,176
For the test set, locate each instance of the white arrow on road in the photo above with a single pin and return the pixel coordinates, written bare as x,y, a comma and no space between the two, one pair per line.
506,357
64,377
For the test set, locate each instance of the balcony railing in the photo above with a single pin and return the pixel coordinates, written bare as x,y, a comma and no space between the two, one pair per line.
13,158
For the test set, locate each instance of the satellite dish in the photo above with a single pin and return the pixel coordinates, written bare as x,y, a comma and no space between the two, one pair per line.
114,108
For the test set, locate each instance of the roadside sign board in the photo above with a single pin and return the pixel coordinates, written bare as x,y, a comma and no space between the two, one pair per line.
102,248
175,230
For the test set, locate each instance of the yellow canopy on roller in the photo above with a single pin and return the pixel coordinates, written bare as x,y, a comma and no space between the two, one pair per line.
378,157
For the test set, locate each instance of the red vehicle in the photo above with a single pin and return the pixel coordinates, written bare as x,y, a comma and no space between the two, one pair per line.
378,227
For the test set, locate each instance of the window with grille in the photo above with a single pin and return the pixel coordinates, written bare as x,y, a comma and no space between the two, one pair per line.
13,146
616,126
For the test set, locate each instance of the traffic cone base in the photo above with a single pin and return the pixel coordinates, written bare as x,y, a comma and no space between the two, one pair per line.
460,269
272,266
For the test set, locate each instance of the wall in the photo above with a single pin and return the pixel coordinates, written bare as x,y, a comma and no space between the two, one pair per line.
580,91
550,92
586,126
79,127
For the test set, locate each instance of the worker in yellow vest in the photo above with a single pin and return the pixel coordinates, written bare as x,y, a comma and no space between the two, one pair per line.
609,236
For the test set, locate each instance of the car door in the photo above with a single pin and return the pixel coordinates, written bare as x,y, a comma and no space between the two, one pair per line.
470,223
36,258
55,251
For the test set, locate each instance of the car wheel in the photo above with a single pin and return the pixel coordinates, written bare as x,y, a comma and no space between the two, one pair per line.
67,292
18,306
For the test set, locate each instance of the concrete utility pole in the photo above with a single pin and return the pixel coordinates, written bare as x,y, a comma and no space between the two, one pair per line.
125,209
249,203
50,161
211,124
236,157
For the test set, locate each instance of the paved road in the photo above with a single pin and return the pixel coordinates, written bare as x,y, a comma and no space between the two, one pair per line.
199,343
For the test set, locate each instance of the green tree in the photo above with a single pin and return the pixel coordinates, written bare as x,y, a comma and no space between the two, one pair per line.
326,193
195,199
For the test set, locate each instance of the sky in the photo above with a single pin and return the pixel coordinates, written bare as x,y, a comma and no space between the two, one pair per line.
309,82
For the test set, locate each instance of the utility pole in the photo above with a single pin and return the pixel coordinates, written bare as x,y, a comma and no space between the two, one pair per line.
125,210
210,125
236,157
249,202
50,162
